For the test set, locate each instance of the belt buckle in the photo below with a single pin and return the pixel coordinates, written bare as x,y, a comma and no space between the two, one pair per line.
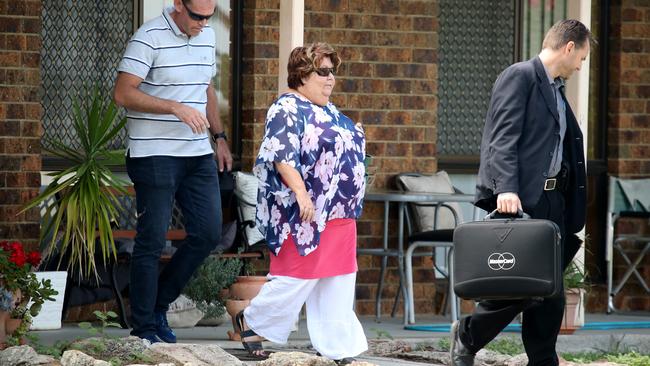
550,184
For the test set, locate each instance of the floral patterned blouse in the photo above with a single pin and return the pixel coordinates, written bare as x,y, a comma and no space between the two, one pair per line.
328,149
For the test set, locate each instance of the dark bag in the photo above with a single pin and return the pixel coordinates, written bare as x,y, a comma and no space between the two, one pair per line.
507,258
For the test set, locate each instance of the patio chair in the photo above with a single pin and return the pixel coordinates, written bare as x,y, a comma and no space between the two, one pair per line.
430,225
246,194
627,198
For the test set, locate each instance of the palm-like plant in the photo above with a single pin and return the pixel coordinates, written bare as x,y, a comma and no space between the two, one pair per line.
84,194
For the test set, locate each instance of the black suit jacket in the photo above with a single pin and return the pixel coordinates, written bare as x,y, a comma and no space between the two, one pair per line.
519,136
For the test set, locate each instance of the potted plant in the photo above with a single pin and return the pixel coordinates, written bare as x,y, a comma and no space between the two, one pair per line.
78,224
575,285
205,286
22,294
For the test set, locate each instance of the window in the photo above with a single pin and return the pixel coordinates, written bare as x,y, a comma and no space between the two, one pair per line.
83,42
478,40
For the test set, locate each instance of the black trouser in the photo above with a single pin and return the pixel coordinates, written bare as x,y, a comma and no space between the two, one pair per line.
541,319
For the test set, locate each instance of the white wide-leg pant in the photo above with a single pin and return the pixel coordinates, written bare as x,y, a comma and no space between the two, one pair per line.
334,329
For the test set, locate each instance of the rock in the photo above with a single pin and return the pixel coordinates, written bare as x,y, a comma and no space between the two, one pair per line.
491,358
295,359
382,347
78,358
193,354
24,356
518,360
128,349
433,357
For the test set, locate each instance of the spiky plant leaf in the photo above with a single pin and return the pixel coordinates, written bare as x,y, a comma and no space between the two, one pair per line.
84,207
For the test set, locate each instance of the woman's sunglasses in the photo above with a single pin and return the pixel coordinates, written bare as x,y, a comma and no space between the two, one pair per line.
325,71
195,16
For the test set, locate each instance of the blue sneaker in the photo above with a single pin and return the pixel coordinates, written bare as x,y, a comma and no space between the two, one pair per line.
163,331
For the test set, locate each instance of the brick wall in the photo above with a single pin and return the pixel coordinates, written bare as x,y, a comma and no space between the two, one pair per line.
629,125
629,103
388,82
20,117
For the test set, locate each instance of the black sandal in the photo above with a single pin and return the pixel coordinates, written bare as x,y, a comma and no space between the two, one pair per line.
251,347
344,361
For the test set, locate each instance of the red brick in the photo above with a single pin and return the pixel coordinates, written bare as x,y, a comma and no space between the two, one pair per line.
30,163
388,39
16,42
10,128
14,76
373,117
33,8
387,7
32,111
9,59
335,5
359,69
349,54
375,148
425,56
33,42
425,24
32,25
373,54
348,21
319,20
399,118
362,6
632,15
15,111
11,24
372,21
398,54
398,149
386,70
632,45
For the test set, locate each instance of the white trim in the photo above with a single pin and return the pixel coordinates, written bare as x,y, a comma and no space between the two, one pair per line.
292,28
578,96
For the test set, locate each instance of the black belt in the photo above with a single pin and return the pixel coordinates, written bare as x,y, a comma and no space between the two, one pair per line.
556,183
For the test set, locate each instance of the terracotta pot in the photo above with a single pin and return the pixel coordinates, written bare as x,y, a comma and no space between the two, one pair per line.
245,290
569,325
233,307
251,279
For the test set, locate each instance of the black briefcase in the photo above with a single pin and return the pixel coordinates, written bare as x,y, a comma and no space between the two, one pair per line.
507,258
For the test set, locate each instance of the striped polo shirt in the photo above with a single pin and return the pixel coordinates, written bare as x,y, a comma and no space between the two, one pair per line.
176,67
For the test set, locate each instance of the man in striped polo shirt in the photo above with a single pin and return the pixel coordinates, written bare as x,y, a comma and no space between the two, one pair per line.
165,83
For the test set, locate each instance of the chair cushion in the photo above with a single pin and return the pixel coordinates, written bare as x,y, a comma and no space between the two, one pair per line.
433,235
425,216
246,189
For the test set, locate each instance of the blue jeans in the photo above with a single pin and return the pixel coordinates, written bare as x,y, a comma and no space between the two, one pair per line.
158,180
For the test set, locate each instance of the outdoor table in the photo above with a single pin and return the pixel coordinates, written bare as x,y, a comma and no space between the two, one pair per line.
402,198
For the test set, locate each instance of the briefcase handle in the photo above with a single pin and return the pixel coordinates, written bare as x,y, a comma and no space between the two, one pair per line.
520,214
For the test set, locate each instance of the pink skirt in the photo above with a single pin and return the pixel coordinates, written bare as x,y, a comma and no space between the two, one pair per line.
335,255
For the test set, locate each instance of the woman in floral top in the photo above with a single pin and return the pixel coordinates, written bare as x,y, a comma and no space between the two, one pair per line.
311,186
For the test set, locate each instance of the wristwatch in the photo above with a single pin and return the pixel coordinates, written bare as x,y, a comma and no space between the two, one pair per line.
219,135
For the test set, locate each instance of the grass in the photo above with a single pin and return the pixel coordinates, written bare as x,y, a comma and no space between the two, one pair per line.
510,346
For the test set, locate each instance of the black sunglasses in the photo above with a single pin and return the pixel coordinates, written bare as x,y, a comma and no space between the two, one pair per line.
195,16
325,71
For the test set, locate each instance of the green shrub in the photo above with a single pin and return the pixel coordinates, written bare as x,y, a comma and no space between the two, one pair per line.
206,283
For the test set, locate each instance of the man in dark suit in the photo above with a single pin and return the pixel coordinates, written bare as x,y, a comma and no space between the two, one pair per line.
532,159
